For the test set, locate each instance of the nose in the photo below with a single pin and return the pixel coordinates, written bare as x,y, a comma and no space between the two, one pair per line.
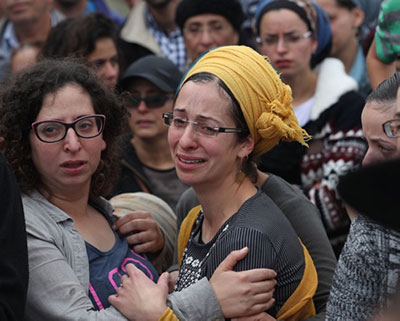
206,37
111,70
72,141
281,45
188,138
370,157
142,108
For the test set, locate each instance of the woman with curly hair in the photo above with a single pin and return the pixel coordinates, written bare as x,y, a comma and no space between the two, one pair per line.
61,127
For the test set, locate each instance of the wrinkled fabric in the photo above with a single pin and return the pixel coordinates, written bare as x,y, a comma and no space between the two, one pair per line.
266,102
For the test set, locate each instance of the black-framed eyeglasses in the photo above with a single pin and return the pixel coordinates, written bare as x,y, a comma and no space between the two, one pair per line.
151,101
52,131
201,127
392,128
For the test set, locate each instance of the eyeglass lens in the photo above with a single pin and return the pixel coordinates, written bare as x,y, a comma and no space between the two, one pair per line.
153,101
86,127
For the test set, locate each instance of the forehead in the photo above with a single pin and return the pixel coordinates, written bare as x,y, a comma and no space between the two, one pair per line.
66,101
104,48
374,115
206,19
281,20
204,99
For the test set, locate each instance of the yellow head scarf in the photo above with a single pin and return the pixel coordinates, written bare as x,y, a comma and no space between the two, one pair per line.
266,102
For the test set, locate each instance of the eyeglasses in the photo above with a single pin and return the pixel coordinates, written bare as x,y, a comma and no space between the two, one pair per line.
392,128
214,30
52,131
202,127
151,101
288,39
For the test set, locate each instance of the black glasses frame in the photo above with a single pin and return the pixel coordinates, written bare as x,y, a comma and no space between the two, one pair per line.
68,126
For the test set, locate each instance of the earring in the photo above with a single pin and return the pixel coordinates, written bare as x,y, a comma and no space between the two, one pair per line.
240,176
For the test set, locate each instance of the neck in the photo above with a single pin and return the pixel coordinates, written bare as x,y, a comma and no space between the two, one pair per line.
348,55
153,153
165,16
303,86
33,30
71,11
220,202
72,202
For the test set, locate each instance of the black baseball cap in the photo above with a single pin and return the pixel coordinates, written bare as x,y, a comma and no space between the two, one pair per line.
160,71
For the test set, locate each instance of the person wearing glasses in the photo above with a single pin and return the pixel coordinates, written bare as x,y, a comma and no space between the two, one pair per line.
61,129
230,108
206,24
148,87
295,35
368,271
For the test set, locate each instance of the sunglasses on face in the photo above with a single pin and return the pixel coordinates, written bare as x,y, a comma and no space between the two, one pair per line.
151,101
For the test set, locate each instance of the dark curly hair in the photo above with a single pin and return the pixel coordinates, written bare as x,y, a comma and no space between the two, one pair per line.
21,101
77,37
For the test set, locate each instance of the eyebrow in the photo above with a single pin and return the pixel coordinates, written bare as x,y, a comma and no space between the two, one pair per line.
182,110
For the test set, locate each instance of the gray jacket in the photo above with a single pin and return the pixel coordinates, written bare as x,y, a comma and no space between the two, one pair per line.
59,271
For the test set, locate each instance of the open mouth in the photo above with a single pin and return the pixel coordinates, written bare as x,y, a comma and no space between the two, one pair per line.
191,161
73,164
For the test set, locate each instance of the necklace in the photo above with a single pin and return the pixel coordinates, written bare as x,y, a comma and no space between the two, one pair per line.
193,269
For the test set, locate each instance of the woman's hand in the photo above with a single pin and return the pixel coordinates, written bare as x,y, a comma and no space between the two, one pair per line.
142,231
253,290
139,298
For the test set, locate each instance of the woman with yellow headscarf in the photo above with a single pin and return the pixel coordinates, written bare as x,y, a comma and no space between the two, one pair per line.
230,108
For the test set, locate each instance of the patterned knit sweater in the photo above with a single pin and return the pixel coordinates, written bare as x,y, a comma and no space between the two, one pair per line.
367,273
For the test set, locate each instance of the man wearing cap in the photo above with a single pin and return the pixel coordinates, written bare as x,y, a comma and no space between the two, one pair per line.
207,24
149,85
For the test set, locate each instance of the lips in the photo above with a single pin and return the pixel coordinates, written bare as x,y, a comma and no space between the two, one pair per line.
189,160
282,63
73,164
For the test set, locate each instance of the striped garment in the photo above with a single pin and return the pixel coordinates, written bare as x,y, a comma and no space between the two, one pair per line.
387,36
271,240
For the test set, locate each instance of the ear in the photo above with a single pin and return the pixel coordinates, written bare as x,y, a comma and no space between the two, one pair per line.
235,40
358,17
246,147
314,45
103,144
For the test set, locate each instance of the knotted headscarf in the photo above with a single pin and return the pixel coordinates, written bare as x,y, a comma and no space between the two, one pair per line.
266,102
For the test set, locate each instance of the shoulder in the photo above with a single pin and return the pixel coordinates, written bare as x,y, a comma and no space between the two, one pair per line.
41,217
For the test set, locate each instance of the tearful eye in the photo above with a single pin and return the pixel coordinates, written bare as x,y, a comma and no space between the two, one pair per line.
179,122
207,129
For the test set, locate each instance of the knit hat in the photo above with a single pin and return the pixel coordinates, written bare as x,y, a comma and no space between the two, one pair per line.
374,192
159,210
266,102
311,13
231,10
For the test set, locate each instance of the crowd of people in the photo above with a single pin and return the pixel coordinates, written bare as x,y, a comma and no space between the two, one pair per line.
200,160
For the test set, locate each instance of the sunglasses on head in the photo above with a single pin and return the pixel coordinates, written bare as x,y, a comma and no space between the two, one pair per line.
151,101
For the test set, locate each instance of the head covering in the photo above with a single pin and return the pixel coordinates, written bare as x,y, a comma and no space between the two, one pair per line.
231,10
371,12
161,212
160,71
266,102
311,13
374,191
